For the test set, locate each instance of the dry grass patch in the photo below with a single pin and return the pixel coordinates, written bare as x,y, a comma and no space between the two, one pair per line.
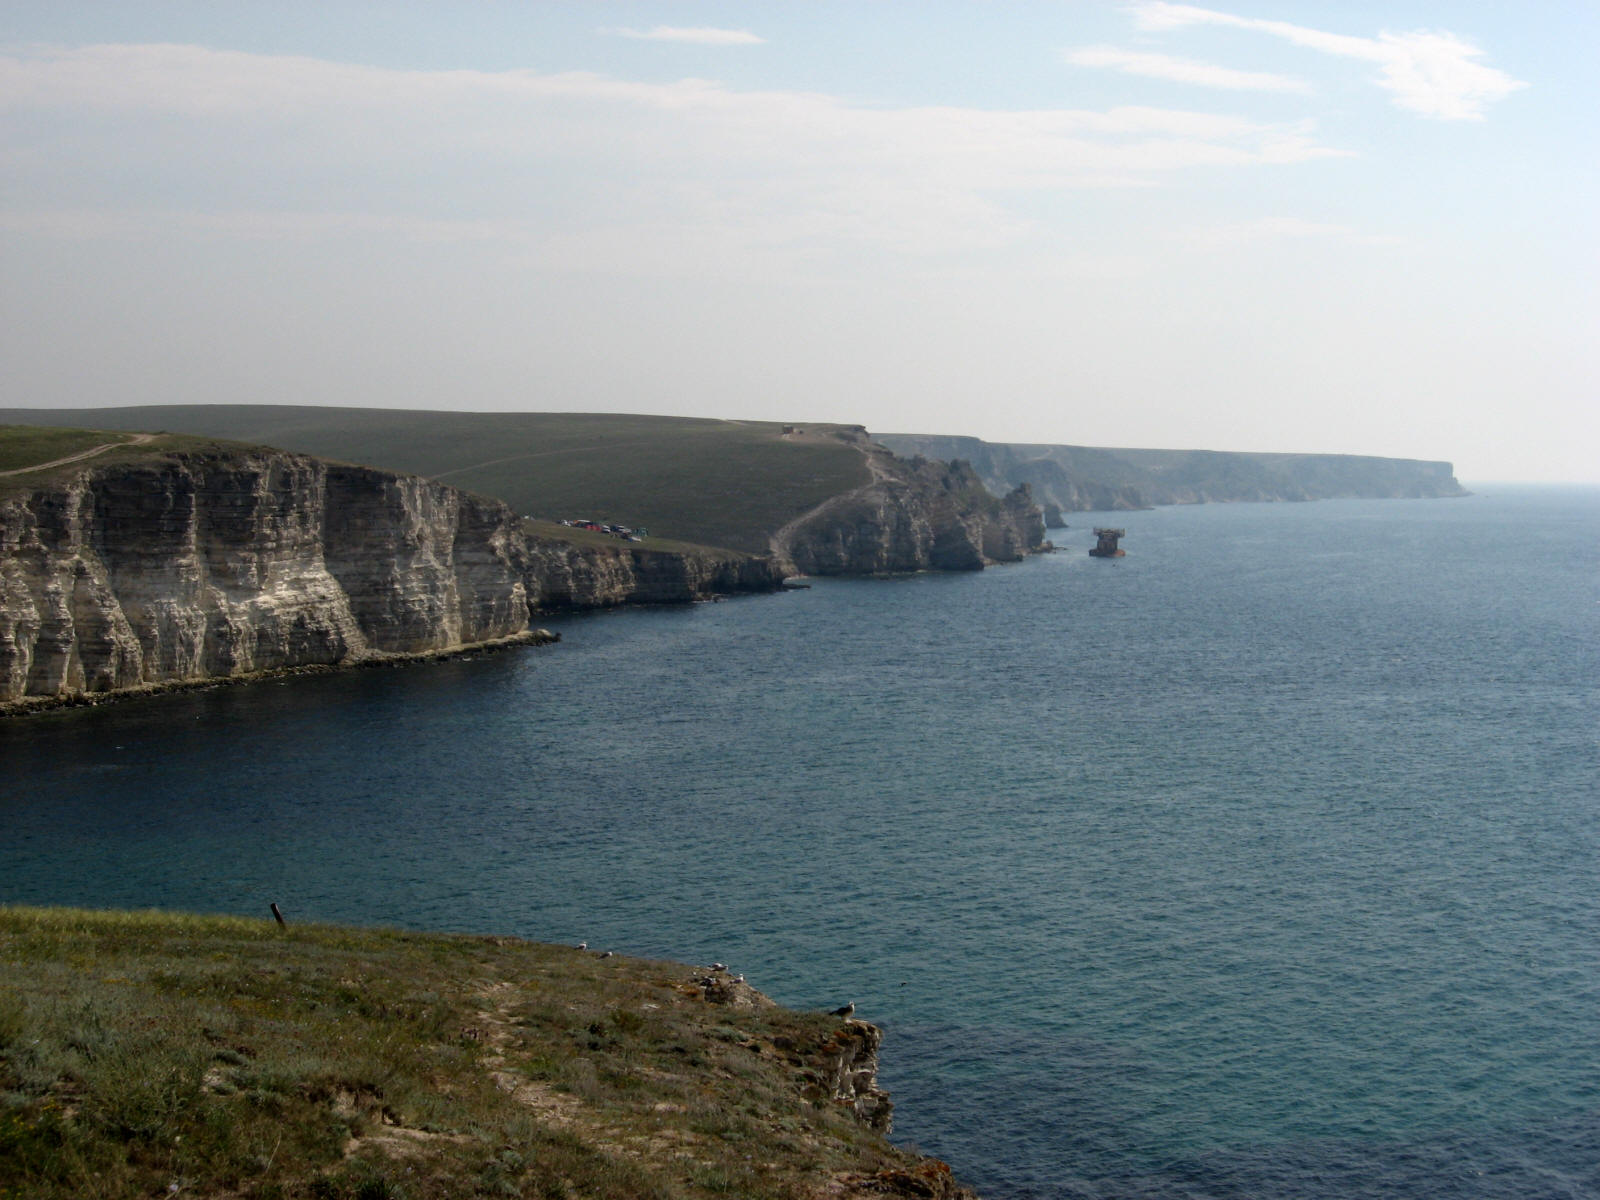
161,1054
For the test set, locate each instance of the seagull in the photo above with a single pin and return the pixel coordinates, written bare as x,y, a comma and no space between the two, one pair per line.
583,945
845,1011
738,978
719,966
605,954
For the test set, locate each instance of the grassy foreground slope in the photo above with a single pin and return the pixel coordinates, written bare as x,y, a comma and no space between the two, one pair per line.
148,1054
720,483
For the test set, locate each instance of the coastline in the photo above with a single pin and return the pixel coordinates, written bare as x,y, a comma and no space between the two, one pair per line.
30,705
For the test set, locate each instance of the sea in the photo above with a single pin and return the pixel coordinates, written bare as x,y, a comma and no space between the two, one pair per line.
1262,862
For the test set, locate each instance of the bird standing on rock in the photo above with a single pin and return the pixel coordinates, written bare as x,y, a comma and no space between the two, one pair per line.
845,1011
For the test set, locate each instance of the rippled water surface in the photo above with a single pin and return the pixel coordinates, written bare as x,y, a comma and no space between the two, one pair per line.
1262,862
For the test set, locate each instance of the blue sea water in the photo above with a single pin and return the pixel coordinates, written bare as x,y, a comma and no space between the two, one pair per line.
1263,862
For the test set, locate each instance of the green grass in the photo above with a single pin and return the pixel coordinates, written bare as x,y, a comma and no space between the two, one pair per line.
146,1054
158,447
23,446
720,483
32,444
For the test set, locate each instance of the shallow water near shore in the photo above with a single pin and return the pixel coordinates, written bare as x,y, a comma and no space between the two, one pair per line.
1264,861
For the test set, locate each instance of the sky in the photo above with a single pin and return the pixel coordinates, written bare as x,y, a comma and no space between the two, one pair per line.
1269,225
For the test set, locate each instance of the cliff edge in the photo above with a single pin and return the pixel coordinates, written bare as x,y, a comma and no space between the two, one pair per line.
181,565
1088,478
317,1060
912,515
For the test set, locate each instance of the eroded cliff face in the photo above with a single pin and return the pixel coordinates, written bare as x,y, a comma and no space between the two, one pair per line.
179,569
841,1069
915,515
562,577
189,567
847,1067
423,567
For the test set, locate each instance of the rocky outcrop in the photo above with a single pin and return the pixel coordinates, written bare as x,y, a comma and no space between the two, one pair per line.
914,515
220,564
561,576
841,1069
847,1069
1085,478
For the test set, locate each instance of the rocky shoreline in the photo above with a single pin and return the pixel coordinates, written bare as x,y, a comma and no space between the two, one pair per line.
40,704
913,514
191,567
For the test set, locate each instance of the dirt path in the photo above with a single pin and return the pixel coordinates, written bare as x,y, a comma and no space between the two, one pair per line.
137,439
778,543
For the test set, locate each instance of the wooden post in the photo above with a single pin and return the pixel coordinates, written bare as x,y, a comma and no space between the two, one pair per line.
278,916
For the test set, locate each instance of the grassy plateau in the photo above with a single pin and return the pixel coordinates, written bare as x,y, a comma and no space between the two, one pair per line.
711,482
26,453
161,1054
25,446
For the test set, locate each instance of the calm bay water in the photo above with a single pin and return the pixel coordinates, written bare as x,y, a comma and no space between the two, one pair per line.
1262,862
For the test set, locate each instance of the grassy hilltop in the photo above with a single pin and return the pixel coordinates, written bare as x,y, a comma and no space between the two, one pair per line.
146,1054
719,483
23,446
31,455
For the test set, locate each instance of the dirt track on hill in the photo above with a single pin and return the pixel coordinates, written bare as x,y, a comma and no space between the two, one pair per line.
137,439
778,543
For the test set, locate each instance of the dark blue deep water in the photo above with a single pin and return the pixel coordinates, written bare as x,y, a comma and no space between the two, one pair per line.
1264,862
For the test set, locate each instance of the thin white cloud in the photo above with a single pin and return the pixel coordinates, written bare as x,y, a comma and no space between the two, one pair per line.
1436,74
1182,70
572,158
1275,229
700,36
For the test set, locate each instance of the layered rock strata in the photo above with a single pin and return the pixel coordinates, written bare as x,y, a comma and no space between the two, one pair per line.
212,565
847,1066
561,576
914,515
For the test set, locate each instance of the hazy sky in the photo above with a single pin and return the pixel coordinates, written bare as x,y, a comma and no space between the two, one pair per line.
1267,225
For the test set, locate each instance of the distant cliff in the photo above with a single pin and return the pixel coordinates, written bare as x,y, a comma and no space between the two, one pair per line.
560,576
1080,478
914,515
190,566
